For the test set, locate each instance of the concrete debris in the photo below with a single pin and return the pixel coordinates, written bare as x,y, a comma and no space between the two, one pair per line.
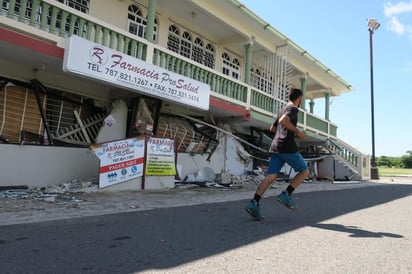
219,180
50,199
205,178
14,193
13,187
63,193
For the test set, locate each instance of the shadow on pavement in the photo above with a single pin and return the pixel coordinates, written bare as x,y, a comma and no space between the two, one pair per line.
356,232
168,237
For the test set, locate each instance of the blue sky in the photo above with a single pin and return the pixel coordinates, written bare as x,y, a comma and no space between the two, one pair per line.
337,35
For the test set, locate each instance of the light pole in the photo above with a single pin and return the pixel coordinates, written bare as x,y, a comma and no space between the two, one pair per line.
373,25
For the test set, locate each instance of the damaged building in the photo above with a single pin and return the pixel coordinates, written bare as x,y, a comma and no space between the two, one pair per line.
209,75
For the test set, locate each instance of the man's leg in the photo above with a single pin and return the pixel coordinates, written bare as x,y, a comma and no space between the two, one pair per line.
275,165
298,179
298,163
253,207
269,179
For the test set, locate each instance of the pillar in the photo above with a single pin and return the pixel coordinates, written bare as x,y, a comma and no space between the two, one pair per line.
303,88
151,14
248,65
311,105
327,103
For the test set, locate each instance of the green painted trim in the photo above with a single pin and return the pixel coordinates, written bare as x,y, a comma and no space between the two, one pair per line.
151,14
327,104
311,106
303,88
248,63
261,117
315,136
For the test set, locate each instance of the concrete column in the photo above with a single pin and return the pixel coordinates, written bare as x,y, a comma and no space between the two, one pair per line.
151,14
248,64
303,88
311,105
327,103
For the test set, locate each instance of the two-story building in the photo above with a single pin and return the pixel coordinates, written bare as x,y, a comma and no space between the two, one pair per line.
209,74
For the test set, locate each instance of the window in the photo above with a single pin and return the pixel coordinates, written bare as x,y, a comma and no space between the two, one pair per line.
198,52
5,6
209,56
262,80
236,68
173,39
29,11
186,45
80,5
255,77
226,64
283,91
155,29
196,49
230,67
138,23
17,7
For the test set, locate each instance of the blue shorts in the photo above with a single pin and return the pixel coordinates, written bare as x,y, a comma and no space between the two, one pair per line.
278,160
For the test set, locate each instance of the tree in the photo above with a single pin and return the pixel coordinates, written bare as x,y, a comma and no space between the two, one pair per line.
384,161
406,160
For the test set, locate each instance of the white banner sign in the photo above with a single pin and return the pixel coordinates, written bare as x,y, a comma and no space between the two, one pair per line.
160,157
96,61
120,161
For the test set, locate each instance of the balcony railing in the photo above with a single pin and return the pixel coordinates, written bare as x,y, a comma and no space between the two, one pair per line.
62,21
234,91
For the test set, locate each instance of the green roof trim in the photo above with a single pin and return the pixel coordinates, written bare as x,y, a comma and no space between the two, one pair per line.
262,117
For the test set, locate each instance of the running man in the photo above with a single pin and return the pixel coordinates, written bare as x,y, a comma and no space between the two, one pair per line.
283,150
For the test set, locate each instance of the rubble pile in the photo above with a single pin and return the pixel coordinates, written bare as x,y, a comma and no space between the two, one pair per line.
62,193
226,179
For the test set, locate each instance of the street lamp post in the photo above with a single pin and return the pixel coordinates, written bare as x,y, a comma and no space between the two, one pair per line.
373,25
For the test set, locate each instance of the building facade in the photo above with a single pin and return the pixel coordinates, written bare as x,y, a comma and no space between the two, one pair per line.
80,72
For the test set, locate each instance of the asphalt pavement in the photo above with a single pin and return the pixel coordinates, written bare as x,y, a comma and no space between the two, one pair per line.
357,227
17,209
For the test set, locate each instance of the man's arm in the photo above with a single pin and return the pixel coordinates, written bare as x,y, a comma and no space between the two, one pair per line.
285,121
273,127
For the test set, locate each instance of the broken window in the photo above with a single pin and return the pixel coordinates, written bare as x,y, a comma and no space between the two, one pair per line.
189,136
68,117
19,112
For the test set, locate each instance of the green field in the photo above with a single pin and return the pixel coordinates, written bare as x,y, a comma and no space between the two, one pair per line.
389,171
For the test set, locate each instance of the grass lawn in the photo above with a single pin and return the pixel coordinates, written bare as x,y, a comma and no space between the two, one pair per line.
389,171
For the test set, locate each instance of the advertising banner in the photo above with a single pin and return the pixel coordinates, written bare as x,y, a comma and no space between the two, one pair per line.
92,60
120,160
160,157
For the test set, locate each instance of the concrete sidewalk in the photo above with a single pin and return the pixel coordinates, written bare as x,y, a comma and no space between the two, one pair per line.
17,210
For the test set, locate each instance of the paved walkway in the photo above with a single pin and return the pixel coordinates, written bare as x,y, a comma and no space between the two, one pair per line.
17,210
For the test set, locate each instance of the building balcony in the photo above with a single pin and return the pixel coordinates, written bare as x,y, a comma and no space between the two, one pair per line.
50,23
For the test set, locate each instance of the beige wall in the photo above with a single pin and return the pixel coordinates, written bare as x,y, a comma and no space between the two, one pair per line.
58,165
103,10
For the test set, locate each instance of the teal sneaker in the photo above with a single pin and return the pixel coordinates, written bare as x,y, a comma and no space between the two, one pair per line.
285,200
253,209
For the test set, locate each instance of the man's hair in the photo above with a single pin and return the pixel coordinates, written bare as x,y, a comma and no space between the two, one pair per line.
294,94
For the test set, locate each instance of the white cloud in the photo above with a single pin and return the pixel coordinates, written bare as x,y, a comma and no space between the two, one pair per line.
393,9
394,13
396,26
